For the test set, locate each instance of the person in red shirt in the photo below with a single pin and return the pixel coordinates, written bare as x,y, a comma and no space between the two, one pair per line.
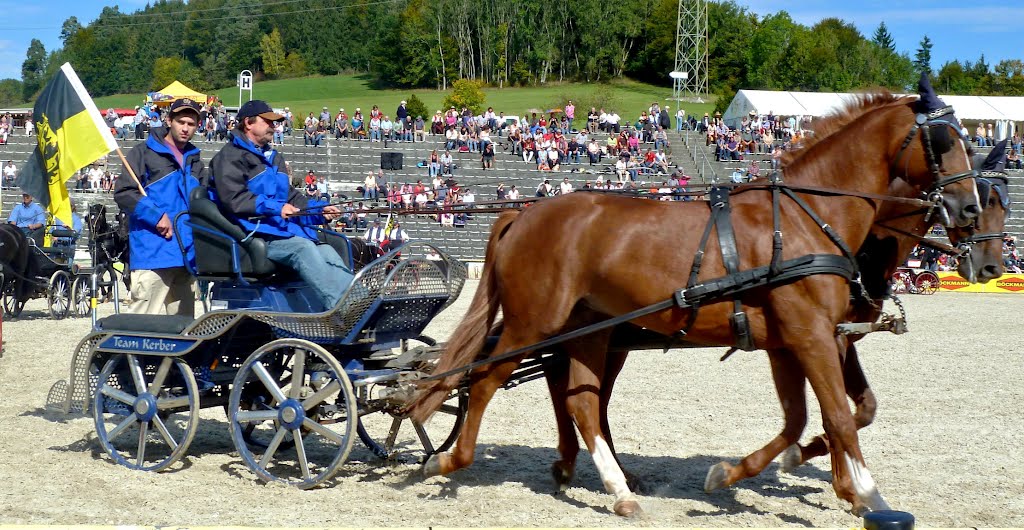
310,178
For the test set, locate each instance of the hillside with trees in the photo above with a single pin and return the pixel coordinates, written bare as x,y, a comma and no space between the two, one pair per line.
433,43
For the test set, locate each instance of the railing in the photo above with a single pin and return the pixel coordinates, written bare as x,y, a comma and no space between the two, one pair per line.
699,157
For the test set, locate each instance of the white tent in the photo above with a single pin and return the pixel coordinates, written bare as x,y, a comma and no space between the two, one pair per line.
1002,110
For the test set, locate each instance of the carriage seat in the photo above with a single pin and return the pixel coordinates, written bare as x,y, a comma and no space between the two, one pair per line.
163,324
214,237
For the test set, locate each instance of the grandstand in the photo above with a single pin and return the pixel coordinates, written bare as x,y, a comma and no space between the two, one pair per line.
345,163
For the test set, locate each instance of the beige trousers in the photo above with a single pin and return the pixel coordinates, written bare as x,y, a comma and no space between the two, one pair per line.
163,292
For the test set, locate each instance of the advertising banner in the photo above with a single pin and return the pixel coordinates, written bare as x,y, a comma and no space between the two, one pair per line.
1007,283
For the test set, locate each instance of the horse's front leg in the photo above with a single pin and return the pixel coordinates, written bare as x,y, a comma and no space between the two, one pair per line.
865,407
850,476
789,385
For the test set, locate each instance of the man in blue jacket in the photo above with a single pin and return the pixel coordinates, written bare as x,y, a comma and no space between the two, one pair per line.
253,188
168,168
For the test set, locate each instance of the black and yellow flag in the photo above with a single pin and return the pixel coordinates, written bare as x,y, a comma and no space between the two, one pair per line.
71,134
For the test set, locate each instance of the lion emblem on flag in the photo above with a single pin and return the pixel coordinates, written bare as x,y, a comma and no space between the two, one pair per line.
47,145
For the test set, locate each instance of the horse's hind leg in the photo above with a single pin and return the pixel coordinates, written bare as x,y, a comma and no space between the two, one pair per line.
486,380
586,373
556,373
865,406
557,376
789,385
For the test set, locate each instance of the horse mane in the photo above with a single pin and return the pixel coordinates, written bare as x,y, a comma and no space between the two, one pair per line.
827,126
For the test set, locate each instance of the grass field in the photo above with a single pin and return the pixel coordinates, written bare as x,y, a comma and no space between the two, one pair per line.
311,94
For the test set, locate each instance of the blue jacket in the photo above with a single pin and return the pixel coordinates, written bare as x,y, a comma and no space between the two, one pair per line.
168,184
249,182
22,215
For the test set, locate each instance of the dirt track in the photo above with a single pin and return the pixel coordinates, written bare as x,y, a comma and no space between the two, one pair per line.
946,444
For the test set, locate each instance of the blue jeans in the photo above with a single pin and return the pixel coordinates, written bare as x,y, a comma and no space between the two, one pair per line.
375,134
278,137
317,265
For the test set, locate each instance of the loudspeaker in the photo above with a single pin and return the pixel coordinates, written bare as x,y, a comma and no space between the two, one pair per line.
391,161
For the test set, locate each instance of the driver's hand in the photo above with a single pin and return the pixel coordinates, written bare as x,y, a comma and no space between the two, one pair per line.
164,228
331,212
288,210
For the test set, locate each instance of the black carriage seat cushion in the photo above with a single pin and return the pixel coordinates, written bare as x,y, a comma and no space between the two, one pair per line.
213,254
164,324
340,244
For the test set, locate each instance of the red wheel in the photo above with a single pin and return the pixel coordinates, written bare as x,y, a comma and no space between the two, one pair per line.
927,282
901,282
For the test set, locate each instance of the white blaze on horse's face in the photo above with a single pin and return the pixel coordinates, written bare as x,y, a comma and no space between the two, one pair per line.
864,485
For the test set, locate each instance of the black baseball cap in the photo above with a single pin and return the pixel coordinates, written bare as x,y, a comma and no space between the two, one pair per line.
258,107
183,105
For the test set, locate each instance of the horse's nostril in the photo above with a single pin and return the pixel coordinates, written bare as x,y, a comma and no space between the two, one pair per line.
991,271
971,211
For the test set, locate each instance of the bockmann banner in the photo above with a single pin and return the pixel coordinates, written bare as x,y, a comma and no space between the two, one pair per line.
1007,283
71,135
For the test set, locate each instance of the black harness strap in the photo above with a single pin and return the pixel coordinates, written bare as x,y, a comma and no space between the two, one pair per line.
731,285
720,216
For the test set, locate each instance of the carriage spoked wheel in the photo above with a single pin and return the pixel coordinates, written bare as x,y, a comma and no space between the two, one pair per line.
12,306
146,410
81,296
901,282
395,436
58,294
927,282
303,433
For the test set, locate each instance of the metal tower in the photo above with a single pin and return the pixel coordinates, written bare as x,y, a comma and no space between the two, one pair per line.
690,75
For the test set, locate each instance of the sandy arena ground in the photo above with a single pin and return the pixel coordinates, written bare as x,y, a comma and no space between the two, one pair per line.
946,444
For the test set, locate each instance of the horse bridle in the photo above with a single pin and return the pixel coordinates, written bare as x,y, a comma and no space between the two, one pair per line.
924,122
985,178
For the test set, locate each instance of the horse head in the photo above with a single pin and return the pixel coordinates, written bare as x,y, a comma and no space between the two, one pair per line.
981,243
939,163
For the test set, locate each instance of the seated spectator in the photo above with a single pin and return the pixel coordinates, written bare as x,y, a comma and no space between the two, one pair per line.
375,122
10,174
487,156
447,163
310,134
593,151
1013,160
544,189
387,129
341,125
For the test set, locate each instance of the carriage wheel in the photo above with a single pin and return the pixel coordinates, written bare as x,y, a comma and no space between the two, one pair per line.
927,282
303,433
146,419
901,282
12,306
397,437
81,296
58,295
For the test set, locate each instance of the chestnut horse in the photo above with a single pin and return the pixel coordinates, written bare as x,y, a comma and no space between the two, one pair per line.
980,260
593,276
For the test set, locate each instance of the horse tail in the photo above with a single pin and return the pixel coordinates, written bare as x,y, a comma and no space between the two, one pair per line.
471,334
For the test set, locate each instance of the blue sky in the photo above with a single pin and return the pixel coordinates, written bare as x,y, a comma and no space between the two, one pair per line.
961,29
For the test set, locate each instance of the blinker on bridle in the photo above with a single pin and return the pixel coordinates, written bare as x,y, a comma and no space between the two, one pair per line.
924,122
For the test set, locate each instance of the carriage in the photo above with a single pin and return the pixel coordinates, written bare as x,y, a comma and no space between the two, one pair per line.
300,383
49,272
915,281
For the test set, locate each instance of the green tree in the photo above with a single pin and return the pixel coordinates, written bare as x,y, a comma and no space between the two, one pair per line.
466,93
923,57
272,49
767,48
1008,78
10,92
883,38
32,69
416,107
70,27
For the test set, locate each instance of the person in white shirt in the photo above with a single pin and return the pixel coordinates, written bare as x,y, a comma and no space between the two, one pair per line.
10,174
513,193
620,169
375,234
602,121
565,186
680,119
95,178
397,236
613,122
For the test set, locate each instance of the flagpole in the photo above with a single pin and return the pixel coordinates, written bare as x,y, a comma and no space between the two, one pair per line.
131,171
